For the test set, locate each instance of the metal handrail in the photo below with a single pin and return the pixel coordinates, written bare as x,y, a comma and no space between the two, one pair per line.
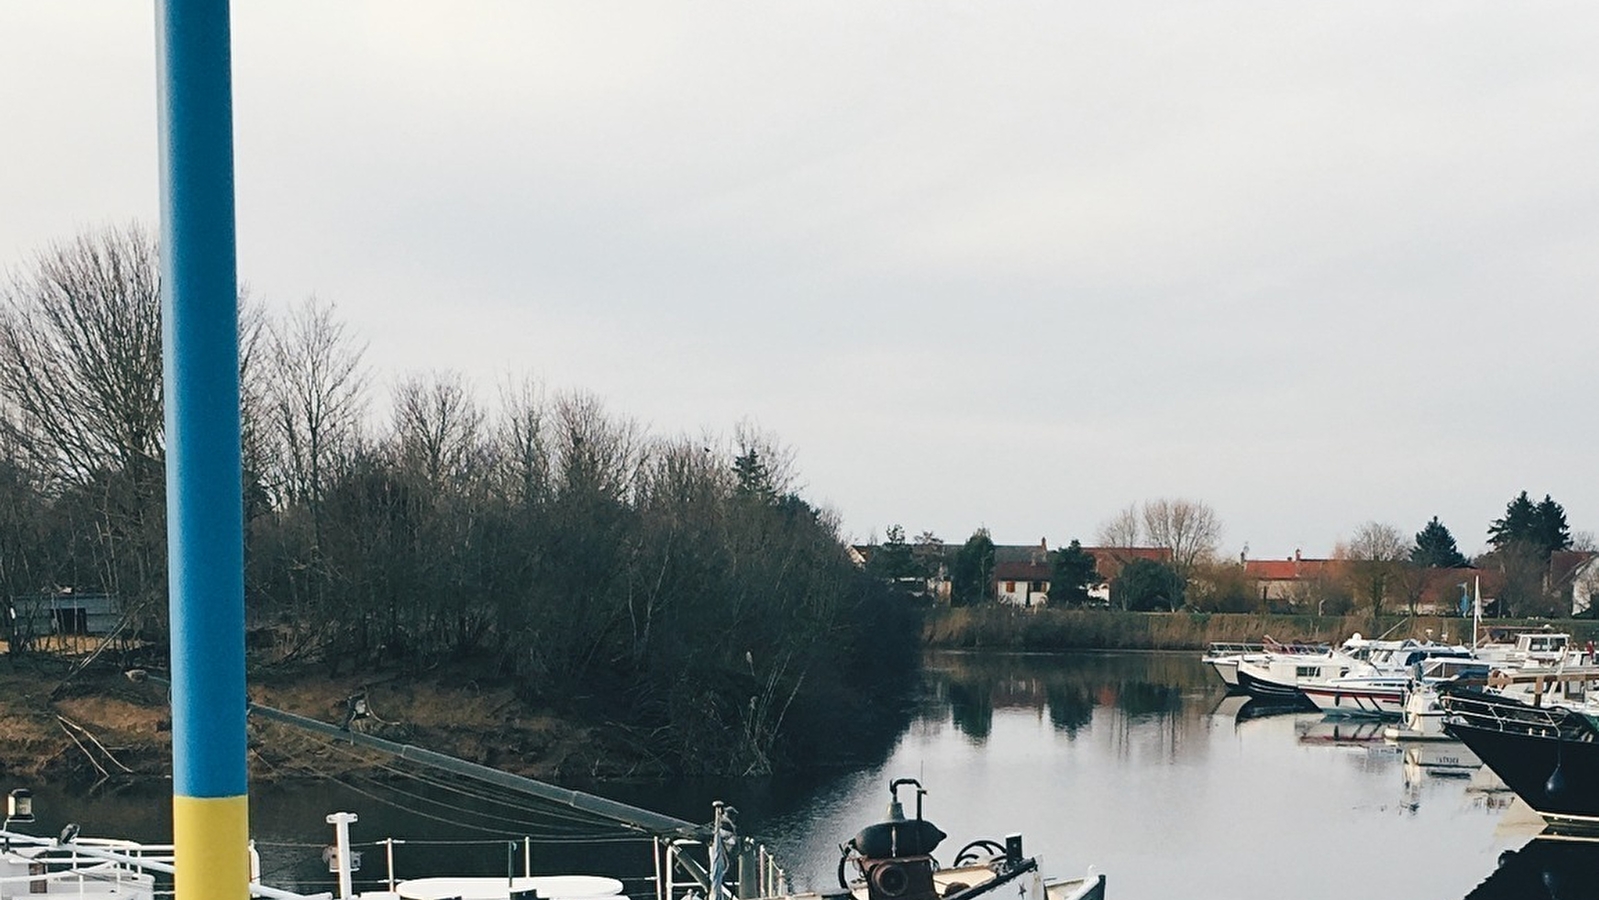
1510,716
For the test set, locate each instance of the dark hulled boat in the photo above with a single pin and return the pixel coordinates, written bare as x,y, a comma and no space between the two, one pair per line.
1548,755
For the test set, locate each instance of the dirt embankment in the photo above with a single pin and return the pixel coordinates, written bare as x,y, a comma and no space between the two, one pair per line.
99,725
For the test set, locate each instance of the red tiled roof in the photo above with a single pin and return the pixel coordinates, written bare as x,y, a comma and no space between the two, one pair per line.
1563,564
1021,571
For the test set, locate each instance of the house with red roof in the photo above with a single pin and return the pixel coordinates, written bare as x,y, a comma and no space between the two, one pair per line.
1291,579
1021,574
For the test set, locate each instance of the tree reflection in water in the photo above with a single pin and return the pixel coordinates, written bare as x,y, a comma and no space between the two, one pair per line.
1068,687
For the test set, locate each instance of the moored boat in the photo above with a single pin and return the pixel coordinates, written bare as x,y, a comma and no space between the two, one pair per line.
1278,678
1421,718
893,860
1223,657
1547,754
1362,677
1365,695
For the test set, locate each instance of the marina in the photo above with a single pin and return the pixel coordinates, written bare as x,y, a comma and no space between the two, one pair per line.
687,602
1136,764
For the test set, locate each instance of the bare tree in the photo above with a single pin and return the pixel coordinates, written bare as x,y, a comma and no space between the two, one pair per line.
1376,554
80,357
1188,528
80,368
438,427
521,443
595,455
1125,529
316,394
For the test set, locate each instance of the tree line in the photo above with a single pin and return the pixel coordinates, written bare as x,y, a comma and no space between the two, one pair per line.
680,586
1378,569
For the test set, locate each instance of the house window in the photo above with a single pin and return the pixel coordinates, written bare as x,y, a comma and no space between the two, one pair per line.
1010,587
1038,586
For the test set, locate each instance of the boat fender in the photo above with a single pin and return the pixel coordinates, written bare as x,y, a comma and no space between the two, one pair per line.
1557,782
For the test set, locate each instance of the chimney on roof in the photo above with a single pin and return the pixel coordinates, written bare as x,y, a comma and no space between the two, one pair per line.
1296,554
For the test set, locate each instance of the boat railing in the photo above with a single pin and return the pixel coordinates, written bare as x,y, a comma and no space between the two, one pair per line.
1233,648
1493,713
1272,645
94,867
662,868
1240,648
754,869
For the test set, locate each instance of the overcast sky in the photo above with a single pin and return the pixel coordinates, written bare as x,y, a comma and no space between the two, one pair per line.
1000,264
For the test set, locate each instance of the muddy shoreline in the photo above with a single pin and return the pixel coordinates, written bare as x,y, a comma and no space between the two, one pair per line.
99,726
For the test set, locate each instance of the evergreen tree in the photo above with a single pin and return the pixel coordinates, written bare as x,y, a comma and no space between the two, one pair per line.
1435,548
1517,524
1539,528
893,560
1551,531
753,479
972,574
1072,570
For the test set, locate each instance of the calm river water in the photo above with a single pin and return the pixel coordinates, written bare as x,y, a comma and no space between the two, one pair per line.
1136,764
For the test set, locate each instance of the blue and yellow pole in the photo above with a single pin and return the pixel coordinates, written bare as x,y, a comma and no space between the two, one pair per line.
205,507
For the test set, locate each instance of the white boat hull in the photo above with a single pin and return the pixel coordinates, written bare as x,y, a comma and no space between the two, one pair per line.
1356,699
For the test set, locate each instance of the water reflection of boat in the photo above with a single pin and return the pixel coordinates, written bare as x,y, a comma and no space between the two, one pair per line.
1338,731
1545,869
1262,708
1446,758
1230,706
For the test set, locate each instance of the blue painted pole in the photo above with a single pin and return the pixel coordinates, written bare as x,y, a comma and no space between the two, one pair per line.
205,507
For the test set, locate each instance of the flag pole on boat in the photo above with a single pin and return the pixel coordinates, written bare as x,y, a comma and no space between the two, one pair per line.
1476,611
205,507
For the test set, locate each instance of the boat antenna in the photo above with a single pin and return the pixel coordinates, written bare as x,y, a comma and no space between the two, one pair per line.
1392,629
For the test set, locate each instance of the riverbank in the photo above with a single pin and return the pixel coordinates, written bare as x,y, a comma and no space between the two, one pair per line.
1010,628
99,725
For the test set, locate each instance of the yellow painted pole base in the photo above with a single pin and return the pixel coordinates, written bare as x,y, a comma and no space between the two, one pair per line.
211,837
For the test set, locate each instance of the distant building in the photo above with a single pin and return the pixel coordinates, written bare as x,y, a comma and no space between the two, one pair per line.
1584,586
1288,580
63,614
1022,572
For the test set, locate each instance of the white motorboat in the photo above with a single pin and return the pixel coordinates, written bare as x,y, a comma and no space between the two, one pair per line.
1277,676
1362,677
1421,717
1516,649
1376,693
1362,695
1224,656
